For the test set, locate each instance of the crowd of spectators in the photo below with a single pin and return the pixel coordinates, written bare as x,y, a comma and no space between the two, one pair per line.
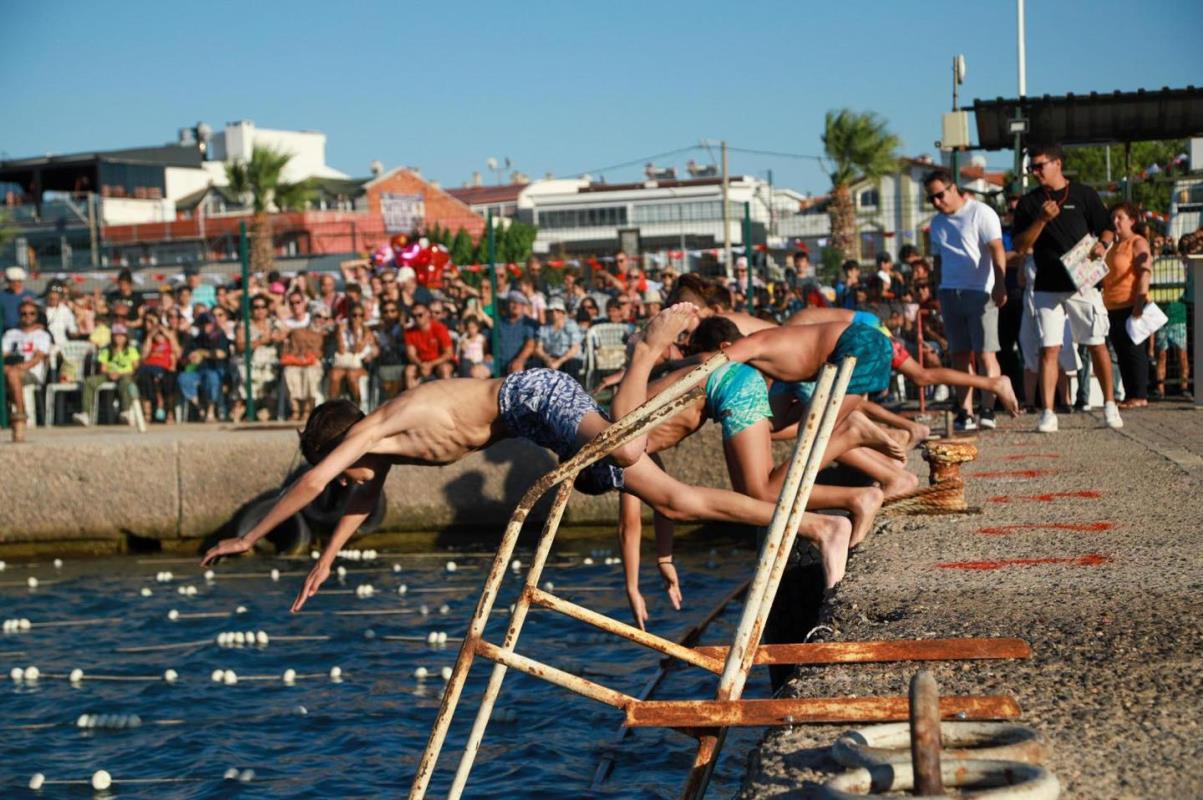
179,349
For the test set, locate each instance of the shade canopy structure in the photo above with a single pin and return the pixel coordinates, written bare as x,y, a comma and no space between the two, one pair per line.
1091,118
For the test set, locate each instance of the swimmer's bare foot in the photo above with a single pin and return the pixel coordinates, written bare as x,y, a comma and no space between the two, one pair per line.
899,435
830,535
1006,394
665,327
899,482
872,436
864,507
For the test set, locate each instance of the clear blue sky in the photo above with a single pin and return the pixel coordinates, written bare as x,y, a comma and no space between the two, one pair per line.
564,86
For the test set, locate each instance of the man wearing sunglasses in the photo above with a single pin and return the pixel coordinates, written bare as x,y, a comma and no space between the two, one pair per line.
1049,221
966,237
26,349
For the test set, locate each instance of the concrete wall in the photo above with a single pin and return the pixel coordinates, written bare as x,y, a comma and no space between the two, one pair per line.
186,482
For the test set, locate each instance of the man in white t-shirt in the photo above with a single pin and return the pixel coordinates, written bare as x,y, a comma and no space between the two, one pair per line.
966,237
26,351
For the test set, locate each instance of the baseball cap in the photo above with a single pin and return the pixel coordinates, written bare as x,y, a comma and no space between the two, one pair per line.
14,274
556,304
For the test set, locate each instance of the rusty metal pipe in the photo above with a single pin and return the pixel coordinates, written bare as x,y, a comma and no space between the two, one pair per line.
925,735
795,492
541,598
657,409
558,677
870,652
796,710
485,710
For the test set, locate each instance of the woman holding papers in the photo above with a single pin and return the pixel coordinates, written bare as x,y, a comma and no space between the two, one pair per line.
1125,293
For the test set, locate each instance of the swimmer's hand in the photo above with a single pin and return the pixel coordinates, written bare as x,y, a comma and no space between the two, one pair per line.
672,584
226,547
638,607
317,576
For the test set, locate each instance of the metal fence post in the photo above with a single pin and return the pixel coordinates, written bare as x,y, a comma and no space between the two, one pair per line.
244,255
3,383
491,246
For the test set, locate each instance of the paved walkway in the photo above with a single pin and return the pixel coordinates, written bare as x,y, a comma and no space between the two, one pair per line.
1173,430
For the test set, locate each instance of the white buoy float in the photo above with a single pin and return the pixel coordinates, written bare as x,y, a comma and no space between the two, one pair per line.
36,781
275,574
289,677
217,675
58,563
101,780
146,592
32,582
420,673
31,674
173,614
231,774
229,677
170,676
396,567
445,672
402,589
444,609
76,675
336,674
210,574
451,566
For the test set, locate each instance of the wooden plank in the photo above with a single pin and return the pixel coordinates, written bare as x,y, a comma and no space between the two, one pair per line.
884,651
792,711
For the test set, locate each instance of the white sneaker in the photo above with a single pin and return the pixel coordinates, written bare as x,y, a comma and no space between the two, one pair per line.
81,418
1111,416
1048,422
941,394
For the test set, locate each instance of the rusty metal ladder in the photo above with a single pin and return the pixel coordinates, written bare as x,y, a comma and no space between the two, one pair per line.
704,719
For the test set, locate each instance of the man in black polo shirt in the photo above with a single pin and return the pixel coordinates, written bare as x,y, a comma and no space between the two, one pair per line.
1049,221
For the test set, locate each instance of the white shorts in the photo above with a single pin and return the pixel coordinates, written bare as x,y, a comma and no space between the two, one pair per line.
1088,323
1029,341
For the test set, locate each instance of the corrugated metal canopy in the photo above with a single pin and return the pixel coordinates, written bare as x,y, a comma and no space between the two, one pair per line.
1093,118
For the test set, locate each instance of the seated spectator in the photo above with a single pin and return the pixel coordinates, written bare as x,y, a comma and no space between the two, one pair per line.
583,321
206,359
301,360
846,287
570,291
183,299
199,291
472,351
26,352
559,342
653,303
616,313
516,335
155,376
13,294
101,333
60,319
296,314
590,307
355,347
329,296
117,364
390,344
124,291
536,307
428,348
411,291
267,333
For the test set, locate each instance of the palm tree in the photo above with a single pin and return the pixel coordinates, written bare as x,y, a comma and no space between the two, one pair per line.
259,181
859,147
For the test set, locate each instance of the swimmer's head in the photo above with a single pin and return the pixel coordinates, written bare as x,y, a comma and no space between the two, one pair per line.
327,427
712,333
691,288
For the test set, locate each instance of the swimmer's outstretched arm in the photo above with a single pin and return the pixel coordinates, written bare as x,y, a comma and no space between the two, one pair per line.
362,437
359,506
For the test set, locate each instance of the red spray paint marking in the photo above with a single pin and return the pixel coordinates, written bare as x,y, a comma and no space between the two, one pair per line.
1047,498
1026,456
1092,560
1077,527
1014,473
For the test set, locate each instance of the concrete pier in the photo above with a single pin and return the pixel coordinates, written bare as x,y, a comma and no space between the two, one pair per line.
184,482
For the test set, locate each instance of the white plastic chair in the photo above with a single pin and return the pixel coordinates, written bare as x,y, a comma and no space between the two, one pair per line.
31,405
77,354
605,351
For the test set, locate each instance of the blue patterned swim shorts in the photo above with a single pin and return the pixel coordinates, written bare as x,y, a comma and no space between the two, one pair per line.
547,406
737,398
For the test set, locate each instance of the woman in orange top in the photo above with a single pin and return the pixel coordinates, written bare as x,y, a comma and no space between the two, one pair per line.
1125,293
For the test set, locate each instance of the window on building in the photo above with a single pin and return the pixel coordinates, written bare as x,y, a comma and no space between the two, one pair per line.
869,198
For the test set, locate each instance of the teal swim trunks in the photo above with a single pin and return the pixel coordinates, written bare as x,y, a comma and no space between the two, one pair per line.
737,398
873,351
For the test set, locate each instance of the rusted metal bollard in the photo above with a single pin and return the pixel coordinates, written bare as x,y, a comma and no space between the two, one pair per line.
925,735
945,457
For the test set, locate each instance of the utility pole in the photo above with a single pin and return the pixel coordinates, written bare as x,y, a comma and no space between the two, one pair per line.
958,75
747,237
726,219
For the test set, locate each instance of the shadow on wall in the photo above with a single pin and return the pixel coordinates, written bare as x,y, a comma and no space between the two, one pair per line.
521,464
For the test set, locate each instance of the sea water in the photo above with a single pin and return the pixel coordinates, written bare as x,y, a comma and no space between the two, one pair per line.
360,737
